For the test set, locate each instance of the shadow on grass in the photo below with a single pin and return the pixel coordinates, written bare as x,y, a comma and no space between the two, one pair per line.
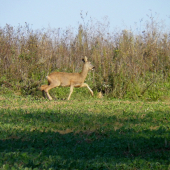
59,140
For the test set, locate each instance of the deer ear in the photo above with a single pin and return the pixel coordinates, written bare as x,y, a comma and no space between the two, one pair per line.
84,59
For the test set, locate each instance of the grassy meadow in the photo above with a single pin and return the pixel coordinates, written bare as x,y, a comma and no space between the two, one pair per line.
84,133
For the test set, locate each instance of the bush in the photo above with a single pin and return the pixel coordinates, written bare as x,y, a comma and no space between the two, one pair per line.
128,65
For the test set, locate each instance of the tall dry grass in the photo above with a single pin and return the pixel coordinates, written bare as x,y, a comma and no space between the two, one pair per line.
128,65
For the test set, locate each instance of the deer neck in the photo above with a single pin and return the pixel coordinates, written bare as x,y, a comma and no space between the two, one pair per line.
84,72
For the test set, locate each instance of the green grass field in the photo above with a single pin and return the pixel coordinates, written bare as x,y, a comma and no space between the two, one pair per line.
83,134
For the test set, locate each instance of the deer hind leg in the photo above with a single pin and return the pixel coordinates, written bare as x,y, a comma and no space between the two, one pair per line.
51,86
71,91
42,88
86,85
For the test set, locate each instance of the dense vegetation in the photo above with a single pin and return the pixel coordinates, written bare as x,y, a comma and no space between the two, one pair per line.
83,134
128,65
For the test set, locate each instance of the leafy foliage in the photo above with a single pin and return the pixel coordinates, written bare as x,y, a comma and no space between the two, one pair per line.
128,65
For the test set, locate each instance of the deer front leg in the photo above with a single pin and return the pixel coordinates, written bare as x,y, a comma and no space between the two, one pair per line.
86,85
71,91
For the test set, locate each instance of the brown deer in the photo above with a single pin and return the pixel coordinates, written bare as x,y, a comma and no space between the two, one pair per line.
71,80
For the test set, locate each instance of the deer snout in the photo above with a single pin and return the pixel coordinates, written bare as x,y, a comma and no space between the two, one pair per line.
93,68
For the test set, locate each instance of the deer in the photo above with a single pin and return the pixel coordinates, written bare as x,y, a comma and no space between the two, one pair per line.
64,79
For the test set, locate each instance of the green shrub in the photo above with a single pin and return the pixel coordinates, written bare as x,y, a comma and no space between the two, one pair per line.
128,65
